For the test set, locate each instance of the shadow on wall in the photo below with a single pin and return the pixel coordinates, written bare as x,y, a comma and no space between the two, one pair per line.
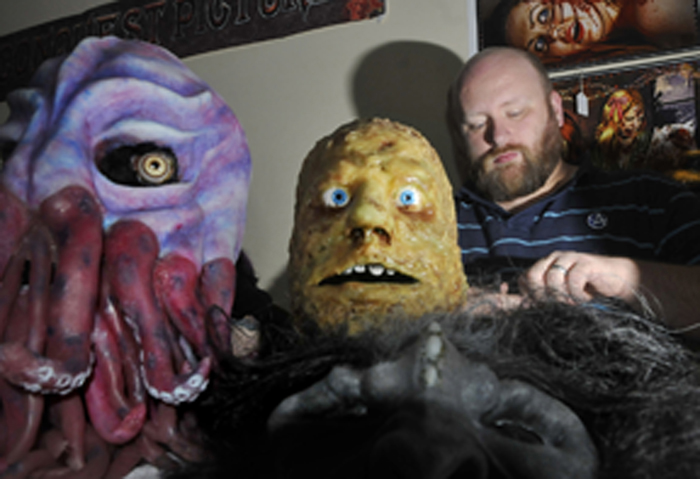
408,82
279,290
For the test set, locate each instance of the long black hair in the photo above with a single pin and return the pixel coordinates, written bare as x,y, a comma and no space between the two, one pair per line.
632,383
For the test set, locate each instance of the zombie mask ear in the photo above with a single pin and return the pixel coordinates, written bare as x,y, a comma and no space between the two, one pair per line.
374,229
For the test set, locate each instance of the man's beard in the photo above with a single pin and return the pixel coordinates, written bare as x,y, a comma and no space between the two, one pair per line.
536,167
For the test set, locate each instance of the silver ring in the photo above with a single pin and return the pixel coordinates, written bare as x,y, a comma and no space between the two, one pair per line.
559,267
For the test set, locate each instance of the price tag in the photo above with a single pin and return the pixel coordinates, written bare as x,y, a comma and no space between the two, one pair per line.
581,104
581,100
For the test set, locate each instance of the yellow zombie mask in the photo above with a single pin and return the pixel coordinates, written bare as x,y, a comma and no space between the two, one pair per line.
374,229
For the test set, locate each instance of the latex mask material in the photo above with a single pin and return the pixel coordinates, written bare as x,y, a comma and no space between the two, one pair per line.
124,188
374,229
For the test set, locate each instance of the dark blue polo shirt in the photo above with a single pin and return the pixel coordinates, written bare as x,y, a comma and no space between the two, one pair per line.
640,215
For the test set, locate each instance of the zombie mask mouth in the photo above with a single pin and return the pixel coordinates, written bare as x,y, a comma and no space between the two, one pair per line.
368,273
374,229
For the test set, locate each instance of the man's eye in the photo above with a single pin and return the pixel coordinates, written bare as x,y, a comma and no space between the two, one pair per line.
408,196
514,113
469,127
544,16
336,197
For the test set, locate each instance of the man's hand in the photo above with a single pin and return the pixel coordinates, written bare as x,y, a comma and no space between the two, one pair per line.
582,276
486,301
671,291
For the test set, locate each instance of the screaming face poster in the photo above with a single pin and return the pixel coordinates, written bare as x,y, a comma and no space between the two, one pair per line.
567,33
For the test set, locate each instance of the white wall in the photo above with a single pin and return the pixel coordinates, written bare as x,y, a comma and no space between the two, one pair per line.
288,93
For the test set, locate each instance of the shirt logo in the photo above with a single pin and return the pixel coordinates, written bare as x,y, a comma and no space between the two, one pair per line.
597,221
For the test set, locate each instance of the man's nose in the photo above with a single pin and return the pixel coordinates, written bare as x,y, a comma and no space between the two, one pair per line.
370,220
499,132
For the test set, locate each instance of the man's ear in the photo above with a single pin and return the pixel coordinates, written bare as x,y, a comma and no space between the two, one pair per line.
557,107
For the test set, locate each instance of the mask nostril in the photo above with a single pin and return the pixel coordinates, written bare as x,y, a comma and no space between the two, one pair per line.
383,235
357,234
360,234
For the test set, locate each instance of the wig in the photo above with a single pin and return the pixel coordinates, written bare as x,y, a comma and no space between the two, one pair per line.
632,384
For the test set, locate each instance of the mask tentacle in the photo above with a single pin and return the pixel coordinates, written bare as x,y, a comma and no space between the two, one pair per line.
74,219
23,411
128,348
151,451
68,415
35,460
74,222
218,332
53,442
115,418
131,252
11,284
163,429
175,280
14,221
40,247
20,363
217,286
4,444
22,417
125,459
97,454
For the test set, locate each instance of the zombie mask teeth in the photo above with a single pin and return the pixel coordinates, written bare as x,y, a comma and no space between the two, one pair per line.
376,269
368,273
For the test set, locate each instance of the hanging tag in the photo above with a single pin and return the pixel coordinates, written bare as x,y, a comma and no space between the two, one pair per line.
581,101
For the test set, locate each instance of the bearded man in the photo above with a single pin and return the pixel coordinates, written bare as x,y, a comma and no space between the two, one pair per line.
529,219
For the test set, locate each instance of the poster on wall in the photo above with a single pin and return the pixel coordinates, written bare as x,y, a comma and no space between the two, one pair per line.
637,119
185,27
569,33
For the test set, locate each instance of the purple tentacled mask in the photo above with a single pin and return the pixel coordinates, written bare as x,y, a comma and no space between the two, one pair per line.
122,207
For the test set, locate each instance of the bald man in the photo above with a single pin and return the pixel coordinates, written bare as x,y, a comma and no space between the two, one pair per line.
529,220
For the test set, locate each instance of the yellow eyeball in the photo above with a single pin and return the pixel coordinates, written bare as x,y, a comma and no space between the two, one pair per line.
155,168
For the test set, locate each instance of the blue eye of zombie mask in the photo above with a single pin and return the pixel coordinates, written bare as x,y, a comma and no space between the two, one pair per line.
408,197
336,197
